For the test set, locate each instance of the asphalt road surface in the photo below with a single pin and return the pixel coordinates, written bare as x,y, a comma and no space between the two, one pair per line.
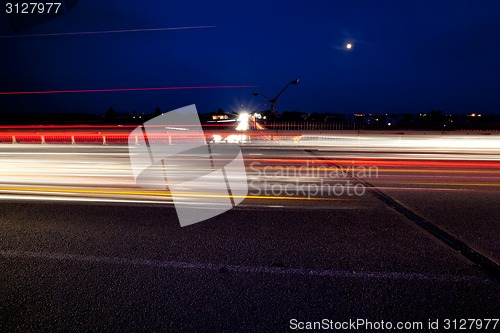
335,231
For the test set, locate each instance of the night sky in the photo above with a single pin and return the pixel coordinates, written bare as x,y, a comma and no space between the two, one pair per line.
407,56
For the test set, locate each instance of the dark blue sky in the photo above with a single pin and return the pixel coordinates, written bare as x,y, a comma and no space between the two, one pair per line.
407,56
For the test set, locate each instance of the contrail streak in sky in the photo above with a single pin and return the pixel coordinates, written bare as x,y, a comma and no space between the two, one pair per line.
109,31
46,92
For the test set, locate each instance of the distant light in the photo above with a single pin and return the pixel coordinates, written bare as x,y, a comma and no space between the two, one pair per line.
243,120
349,46
389,124
243,117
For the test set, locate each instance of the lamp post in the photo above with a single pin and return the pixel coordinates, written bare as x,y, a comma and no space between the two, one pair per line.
273,101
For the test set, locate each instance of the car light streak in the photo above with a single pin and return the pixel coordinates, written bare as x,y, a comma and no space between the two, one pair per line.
102,173
384,162
78,33
166,194
76,91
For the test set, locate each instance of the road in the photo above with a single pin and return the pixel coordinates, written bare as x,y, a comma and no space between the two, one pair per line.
82,247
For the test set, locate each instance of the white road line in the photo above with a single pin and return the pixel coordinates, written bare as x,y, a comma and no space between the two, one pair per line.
242,269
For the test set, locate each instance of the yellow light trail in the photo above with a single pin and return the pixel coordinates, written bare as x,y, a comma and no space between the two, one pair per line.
440,184
155,193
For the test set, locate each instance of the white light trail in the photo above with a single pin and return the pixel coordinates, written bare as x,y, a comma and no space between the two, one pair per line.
108,31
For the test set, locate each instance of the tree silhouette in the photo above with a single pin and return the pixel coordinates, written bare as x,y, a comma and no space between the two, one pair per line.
111,114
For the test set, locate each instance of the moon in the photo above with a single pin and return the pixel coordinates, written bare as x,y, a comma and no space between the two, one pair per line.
349,46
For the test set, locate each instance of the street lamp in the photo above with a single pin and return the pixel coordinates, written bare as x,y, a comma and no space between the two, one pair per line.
275,99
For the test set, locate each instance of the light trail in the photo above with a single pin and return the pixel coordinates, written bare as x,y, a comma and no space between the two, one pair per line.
151,193
103,173
446,183
386,162
487,171
381,170
77,91
109,31
40,198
